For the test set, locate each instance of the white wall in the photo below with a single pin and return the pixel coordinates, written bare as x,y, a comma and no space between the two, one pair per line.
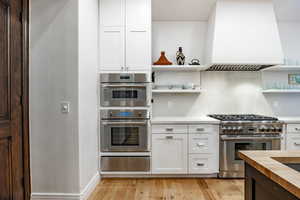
168,36
88,57
224,92
53,78
63,67
289,32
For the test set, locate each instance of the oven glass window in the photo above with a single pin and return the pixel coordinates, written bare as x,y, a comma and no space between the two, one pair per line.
248,146
124,94
125,136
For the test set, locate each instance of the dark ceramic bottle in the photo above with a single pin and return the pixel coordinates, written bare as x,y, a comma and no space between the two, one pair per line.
180,57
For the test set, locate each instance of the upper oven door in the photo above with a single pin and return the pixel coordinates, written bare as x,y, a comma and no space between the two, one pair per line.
230,146
129,136
128,95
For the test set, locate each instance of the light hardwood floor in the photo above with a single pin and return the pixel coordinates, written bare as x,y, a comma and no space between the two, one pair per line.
169,189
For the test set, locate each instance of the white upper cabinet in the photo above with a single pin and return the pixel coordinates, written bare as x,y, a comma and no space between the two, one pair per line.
112,13
112,48
138,12
138,48
125,35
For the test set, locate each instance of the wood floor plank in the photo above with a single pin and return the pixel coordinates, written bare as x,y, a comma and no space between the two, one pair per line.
169,189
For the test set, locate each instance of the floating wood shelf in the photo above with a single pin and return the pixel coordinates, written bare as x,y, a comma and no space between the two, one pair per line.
179,68
170,91
287,91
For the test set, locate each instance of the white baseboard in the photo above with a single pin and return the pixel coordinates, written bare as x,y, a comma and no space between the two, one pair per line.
90,187
86,192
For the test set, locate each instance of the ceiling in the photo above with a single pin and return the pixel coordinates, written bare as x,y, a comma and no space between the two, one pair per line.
191,10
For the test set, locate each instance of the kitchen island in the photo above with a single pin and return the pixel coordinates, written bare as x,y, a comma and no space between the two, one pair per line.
272,175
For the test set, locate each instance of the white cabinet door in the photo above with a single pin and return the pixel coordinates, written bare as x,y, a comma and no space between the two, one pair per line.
111,48
112,12
138,48
293,142
138,12
169,154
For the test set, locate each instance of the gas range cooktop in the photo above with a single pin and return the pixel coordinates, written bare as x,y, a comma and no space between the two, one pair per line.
241,118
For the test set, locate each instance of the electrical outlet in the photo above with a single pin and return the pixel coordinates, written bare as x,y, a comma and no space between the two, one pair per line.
65,107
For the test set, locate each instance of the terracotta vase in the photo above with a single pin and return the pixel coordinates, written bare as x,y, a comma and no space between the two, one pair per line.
163,60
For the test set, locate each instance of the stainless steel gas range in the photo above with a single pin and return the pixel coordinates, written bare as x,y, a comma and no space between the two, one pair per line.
245,132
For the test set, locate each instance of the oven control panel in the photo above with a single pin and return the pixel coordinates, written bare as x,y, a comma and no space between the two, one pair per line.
260,128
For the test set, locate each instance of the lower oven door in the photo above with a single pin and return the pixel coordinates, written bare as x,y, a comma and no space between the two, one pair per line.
125,136
128,95
231,166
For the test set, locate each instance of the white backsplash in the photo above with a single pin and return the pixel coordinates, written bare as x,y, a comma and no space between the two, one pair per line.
227,93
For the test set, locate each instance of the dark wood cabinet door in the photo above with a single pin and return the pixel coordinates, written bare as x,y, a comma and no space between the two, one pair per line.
11,104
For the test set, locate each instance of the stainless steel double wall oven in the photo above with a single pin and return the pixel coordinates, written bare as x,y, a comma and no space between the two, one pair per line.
125,123
125,90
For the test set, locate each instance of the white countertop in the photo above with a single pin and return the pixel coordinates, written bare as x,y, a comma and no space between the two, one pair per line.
184,120
290,120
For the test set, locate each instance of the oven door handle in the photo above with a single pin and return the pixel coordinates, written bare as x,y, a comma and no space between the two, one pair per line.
125,123
124,85
250,138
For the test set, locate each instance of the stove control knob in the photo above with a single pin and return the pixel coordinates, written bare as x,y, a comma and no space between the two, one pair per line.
229,128
239,128
262,129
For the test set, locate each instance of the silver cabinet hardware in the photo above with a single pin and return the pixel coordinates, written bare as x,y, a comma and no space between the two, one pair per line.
200,164
169,137
169,129
200,129
199,144
297,129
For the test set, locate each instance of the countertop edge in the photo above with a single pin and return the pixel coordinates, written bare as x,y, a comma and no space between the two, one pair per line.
286,184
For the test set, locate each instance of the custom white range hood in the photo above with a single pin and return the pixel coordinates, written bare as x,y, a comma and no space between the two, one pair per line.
243,36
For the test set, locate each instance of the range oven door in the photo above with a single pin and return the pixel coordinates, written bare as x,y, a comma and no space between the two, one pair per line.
125,135
127,94
231,166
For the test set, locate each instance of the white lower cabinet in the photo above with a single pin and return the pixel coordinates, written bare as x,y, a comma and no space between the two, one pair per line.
203,164
293,142
169,154
293,137
179,149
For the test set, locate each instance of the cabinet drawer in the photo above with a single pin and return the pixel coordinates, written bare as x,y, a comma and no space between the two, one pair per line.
203,129
203,164
203,143
172,129
293,142
293,128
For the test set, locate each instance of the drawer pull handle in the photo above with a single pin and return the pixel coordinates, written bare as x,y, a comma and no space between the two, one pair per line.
169,129
200,164
200,129
297,143
297,129
200,144
169,137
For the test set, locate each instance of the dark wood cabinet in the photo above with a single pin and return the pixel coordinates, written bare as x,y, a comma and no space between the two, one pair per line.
260,187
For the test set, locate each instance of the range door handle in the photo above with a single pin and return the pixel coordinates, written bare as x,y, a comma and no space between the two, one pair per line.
250,138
